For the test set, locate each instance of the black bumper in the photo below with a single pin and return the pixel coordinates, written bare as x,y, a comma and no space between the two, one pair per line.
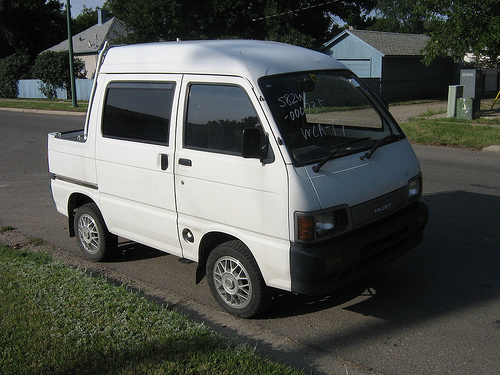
324,267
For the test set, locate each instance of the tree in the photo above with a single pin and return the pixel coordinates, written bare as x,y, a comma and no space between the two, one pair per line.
306,23
52,68
465,26
87,18
295,22
456,27
27,27
150,21
30,26
13,68
356,14
403,16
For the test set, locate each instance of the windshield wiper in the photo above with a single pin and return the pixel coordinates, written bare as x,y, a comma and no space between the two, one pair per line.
335,151
388,138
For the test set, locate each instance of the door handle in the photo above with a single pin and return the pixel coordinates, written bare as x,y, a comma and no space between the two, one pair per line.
164,162
186,162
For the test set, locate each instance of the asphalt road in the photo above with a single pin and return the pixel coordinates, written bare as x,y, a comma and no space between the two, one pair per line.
434,311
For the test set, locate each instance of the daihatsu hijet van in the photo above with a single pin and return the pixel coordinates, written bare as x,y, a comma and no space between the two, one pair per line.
272,166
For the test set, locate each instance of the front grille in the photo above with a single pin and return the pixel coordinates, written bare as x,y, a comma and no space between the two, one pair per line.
342,219
375,209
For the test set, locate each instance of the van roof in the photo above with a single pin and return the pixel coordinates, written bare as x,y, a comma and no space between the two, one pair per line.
227,57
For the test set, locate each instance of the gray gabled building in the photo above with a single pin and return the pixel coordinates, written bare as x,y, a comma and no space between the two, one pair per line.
88,43
391,63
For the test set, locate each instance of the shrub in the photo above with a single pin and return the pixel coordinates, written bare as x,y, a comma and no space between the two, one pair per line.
52,68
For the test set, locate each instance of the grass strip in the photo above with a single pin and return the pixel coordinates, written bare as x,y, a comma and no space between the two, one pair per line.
44,104
452,132
58,320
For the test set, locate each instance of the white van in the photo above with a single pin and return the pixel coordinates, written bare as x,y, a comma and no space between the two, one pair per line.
272,166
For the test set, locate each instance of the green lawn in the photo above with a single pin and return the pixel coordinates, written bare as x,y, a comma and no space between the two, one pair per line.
58,320
453,132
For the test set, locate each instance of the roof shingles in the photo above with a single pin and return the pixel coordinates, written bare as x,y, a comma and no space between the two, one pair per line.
92,39
394,43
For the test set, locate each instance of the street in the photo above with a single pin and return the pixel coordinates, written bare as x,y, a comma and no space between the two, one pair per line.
436,310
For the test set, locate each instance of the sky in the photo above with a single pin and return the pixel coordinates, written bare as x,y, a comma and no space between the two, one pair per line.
77,5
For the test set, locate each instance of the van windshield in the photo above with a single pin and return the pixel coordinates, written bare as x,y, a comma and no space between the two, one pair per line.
325,112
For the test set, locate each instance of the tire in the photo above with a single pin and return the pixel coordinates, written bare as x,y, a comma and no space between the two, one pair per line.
92,235
235,280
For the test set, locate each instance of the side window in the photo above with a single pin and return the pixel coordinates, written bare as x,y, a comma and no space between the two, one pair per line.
216,118
138,111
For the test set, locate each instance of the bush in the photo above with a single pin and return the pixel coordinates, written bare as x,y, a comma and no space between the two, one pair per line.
52,68
12,69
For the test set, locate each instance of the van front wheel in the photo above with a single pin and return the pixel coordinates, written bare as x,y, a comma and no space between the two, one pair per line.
94,239
235,280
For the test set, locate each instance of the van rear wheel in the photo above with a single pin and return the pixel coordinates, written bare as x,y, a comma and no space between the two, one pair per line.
235,280
92,235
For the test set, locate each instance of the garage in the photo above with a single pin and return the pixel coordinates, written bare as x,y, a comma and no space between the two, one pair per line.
391,63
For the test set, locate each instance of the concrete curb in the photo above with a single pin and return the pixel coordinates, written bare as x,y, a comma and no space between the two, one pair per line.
492,148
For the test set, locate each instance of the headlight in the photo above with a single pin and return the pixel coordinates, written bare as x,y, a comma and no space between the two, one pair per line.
414,188
325,223
321,225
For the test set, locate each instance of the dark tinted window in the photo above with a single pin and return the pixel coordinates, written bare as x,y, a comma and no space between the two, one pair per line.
138,111
216,118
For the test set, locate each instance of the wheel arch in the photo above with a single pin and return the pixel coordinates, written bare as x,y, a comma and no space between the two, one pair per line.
209,242
75,201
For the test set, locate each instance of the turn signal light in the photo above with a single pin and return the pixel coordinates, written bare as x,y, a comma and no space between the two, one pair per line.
306,228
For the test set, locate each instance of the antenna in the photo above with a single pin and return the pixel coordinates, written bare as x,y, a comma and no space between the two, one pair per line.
102,55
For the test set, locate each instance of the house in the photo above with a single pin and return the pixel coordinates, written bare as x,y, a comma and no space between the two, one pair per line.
391,63
88,43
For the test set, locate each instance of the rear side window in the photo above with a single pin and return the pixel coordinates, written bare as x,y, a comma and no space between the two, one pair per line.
138,111
216,118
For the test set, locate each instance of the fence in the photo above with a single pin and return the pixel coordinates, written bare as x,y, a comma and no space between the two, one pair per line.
30,89
491,81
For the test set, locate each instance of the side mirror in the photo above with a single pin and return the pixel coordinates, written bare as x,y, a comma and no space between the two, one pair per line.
252,147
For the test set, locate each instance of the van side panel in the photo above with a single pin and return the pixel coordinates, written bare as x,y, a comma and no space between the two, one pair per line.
218,190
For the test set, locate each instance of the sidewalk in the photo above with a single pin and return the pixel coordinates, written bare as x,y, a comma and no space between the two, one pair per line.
402,113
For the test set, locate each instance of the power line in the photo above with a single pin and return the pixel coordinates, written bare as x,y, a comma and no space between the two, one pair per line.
305,6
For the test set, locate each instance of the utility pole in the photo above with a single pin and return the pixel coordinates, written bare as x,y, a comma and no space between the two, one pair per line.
71,67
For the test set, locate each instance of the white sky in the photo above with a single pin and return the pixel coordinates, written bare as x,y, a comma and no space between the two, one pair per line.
77,5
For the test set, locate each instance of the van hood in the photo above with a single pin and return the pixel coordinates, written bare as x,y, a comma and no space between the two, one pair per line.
349,180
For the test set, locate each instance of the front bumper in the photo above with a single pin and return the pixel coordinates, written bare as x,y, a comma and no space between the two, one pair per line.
321,268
